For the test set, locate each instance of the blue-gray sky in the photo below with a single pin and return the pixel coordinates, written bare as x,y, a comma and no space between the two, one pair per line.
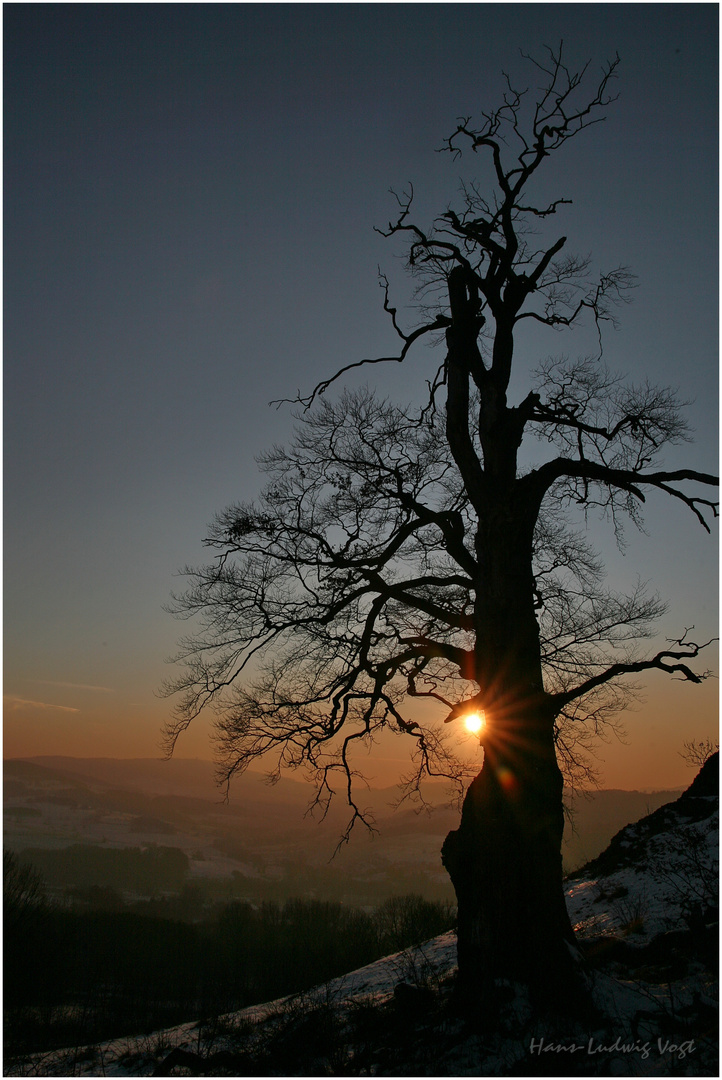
190,196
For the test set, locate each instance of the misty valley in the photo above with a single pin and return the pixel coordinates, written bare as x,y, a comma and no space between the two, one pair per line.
137,897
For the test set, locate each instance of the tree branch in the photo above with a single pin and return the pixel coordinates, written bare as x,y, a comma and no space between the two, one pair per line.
629,480
670,660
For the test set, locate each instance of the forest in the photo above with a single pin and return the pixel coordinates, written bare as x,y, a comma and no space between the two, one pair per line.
90,966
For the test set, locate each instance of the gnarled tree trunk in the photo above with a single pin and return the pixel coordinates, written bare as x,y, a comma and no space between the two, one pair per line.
505,863
504,860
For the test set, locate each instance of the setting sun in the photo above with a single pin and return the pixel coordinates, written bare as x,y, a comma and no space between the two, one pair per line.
475,722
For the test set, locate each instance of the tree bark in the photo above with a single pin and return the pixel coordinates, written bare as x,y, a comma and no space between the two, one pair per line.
505,863
505,860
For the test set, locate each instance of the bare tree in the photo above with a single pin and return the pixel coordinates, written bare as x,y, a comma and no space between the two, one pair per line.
24,896
401,553
697,752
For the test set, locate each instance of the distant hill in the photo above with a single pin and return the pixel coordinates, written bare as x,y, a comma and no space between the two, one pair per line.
263,830
178,776
190,778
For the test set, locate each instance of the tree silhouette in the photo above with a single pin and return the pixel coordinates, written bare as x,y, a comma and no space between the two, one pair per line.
400,553
24,896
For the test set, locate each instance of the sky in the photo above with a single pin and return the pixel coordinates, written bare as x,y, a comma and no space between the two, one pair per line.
191,193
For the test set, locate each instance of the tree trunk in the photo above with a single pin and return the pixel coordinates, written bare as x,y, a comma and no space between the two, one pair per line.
505,863
504,860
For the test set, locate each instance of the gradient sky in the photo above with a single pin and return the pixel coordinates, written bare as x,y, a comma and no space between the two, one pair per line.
190,196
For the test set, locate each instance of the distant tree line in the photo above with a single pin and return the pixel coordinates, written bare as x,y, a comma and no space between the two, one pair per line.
142,870
102,877
73,977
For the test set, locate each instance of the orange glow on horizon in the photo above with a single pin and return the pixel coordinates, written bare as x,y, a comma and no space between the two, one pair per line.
128,725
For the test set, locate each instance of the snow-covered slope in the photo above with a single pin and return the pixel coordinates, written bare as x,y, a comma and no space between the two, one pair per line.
645,914
659,874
